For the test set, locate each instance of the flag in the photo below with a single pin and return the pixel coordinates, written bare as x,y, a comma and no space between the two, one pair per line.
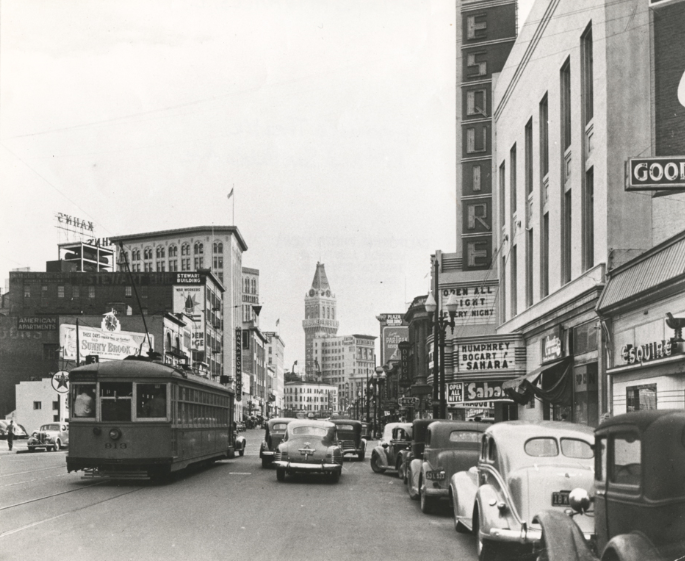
230,194
278,321
295,363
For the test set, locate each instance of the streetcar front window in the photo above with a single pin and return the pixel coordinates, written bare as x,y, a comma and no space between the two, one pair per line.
151,401
115,401
83,399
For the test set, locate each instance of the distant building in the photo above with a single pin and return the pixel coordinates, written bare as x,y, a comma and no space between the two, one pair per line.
319,315
37,403
317,398
275,355
251,297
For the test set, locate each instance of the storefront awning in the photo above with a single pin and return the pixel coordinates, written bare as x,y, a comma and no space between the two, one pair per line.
524,388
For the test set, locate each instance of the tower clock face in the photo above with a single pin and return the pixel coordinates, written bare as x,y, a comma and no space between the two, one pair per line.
311,292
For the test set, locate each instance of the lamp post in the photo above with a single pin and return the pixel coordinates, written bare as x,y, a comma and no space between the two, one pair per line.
440,323
378,377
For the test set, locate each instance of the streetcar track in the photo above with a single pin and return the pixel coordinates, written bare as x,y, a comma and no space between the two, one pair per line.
39,522
61,466
32,480
29,501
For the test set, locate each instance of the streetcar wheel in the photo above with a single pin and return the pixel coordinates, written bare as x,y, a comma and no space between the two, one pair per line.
280,474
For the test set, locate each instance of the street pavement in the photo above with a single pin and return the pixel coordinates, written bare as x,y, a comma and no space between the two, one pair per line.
234,509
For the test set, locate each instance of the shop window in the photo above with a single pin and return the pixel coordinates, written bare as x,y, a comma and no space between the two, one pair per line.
639,398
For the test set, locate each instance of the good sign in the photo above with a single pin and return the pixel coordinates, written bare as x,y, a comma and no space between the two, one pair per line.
650,174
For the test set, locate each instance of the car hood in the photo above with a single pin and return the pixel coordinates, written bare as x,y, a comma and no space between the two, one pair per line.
304,451
531,489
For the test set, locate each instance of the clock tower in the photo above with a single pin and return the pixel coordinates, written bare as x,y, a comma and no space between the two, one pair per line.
319,314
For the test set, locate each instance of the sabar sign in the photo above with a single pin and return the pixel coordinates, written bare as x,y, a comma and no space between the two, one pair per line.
470,392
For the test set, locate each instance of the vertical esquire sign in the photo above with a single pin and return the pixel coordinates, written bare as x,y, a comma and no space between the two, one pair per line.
238,363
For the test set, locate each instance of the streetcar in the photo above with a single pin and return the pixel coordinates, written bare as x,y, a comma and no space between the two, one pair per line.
136,418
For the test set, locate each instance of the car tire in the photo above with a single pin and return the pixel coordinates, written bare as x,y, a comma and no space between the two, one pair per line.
280,474
488,550
412,495
375,466
335,476
58,445
361,456
266,462
398,467
242,450
427,503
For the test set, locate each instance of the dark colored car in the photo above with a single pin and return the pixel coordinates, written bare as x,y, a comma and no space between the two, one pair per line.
366,430
350,437
414,452
51,436
396,437
19,431
451,446
309,446
274,434
524,467
639,496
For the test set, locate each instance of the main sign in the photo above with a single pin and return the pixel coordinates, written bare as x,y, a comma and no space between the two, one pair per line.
655,174
467,393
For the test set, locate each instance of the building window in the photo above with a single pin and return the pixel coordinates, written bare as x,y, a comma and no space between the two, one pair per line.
514,279
544,137
474,142
218,247
565,79
566,238
173,251
476,27
218,262
589,220
27,291
512,179
185,249
185,264
221,276
639,398
91,292
529,157
587,74
37,405
173,265
503,291
50,352
529,267
128,291
75,291
198,248
544,258
147,253
198,262
502,192
60,292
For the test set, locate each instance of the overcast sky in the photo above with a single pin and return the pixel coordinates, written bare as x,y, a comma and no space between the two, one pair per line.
333,120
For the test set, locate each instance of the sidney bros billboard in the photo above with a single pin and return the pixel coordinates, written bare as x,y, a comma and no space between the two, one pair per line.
190,300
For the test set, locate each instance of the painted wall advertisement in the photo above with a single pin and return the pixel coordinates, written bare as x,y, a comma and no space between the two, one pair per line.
476,303
191,301
105,344
392,337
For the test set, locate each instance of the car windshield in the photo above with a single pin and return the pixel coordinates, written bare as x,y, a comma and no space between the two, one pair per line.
574,448
280,427
50,427
309,431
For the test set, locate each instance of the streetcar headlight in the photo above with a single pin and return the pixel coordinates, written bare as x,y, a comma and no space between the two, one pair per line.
115,434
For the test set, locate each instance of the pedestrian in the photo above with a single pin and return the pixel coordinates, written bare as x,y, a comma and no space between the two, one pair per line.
10,434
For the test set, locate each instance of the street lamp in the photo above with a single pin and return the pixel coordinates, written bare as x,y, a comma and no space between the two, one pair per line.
378,377
440,323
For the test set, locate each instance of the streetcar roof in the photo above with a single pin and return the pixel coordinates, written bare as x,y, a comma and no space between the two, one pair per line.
138,369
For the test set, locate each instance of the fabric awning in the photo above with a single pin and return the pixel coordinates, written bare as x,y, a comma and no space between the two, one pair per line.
524,388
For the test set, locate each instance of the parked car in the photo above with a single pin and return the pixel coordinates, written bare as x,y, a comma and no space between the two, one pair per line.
639,497
19,430
396,437
275,431
523,468
52,436
350,437
309,446
410,458
366,430
451,447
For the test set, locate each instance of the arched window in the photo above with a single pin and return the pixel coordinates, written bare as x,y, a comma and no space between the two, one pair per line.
218,247
168,341
185,249
246,286
147,253
173,251
198,248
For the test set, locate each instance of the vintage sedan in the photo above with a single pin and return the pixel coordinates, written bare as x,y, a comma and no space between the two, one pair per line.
350,436
411,458
523,468
273,435
53,436
451,447
239,444
309,446
396,437
639,497
19,431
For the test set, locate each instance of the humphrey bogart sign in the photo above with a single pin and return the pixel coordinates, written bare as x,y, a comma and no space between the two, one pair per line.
487,354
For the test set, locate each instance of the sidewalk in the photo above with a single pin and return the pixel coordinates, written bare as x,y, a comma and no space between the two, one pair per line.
18,447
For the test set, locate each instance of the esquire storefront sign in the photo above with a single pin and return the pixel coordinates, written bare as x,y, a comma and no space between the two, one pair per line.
631,354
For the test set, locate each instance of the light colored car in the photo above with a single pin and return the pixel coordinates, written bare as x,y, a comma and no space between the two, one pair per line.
51,436
19,430
396,437
309,446
523,468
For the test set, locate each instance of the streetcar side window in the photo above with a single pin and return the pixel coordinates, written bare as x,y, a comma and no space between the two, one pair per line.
151,401
83,400
115,401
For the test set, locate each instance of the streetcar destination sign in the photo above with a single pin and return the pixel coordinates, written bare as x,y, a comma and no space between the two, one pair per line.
655,174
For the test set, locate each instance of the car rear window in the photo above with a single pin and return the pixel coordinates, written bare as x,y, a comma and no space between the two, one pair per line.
280,427
464,436
345,427
309,431
574,448
541,447
49,427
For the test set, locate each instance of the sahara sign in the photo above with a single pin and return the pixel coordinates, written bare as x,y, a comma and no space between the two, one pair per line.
467,393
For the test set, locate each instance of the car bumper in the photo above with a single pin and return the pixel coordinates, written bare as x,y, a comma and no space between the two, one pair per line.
313,468
437,492
529,536
267,454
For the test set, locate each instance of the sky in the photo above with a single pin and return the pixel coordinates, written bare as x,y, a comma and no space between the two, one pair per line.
333,122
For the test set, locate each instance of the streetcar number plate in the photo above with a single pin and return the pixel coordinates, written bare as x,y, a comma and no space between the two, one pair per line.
560,498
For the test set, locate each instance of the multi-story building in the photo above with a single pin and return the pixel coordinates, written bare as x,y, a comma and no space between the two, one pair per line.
251,307
583,91
316,399
319,314
184,250
254,365
275,358
346,362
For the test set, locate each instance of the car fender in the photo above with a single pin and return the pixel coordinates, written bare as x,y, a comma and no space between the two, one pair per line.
562,539
413,477
489,515
463,487
240,441
631,547
382,456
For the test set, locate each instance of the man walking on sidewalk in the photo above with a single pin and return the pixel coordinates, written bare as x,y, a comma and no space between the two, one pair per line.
10,434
